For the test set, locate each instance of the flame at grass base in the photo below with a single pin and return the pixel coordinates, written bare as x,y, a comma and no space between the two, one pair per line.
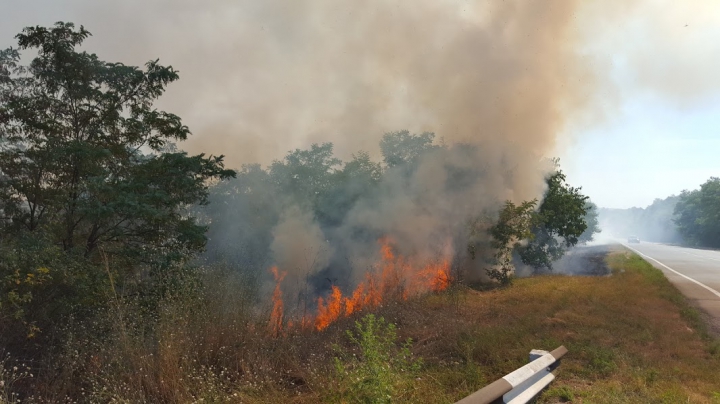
394,279
276,315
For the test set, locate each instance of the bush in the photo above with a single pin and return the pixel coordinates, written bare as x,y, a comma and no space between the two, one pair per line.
381,368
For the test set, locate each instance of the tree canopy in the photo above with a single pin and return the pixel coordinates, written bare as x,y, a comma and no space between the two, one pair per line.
698,214
87,163
560,223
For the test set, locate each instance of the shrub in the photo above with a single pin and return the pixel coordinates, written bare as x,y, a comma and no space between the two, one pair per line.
381,368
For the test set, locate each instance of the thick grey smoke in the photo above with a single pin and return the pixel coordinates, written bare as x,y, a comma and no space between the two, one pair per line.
299,248
261,77
298,236
497,81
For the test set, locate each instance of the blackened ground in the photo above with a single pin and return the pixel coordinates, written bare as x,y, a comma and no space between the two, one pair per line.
582,260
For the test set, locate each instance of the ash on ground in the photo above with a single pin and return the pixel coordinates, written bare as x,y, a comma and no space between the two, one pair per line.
581,260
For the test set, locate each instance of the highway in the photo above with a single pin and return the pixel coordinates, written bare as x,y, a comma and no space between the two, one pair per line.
695,272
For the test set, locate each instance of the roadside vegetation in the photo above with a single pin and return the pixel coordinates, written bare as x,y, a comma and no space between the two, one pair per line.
632,338
691,218
652,223
698,214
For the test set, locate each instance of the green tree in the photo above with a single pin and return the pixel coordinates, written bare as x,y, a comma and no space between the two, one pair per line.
304,175
241,215
514,225
84,160
358,178
559,225
591,219
698,214
400,148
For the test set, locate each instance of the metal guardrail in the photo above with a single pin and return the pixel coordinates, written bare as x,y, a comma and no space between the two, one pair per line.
523,384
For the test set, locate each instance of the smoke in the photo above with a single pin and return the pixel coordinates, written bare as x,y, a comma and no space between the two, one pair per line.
261,77
499,82
496,81
653,223
299,247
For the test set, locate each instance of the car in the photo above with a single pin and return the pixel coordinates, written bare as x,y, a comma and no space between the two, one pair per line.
633,239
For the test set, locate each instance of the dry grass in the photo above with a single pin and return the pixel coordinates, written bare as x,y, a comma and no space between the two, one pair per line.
632,338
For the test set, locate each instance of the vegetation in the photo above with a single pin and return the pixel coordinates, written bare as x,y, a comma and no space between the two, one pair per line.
113,264
381,370
539,237
514,225
92,196
560,224
698,214
692,218
631,337
653,223
592,222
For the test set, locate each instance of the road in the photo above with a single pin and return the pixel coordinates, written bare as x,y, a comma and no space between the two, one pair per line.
696,273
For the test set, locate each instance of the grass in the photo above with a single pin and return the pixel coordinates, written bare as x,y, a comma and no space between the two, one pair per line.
632,338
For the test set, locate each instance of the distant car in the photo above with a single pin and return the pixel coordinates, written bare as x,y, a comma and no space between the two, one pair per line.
633,239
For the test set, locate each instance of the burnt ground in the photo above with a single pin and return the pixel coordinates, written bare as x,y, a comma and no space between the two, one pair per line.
583,261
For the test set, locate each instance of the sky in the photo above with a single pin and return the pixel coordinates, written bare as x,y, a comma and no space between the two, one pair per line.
651,128
662,135
650,150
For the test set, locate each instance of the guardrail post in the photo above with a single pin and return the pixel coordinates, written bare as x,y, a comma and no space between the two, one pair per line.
523,384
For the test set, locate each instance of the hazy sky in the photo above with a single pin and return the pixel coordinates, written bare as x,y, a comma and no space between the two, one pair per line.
663,132
655,125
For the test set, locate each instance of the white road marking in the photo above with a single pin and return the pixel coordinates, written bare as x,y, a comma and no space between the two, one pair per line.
711,290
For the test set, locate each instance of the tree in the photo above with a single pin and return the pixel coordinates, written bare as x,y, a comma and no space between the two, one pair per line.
652,223
305,174
399,148
358,178
84,160
591,219
698,214
559,225
241,215
514,225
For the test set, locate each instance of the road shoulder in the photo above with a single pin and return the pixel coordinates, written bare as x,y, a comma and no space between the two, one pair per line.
696,293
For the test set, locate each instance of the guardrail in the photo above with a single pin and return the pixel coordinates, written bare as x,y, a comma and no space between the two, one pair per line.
523,384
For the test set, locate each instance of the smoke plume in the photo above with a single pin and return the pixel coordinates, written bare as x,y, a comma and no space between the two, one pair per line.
259,78
496,81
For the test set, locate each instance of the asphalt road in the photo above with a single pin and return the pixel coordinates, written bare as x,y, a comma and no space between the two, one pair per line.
695,272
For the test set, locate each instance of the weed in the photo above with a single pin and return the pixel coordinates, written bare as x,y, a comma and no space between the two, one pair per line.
563,393
10,375
602,362
381,368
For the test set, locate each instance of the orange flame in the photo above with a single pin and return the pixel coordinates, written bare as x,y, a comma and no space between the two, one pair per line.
330,311
276,316
395,278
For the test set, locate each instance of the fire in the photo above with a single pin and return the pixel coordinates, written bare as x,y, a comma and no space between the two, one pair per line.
438,276
395,278
330,311
276,316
